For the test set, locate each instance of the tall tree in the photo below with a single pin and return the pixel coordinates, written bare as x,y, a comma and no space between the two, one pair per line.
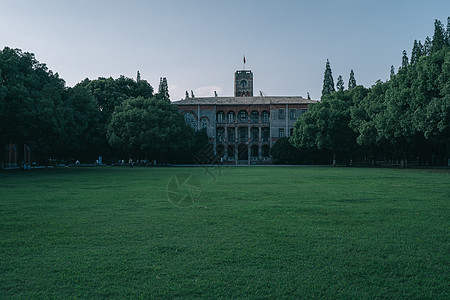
392,71
328,82
340,84
32,101
364,118
416,53
352,80
404,60
438,37
163,89
427,46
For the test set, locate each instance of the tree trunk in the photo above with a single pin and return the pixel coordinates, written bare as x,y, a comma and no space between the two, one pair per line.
334,159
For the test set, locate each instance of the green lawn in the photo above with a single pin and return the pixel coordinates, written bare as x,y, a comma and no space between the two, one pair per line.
258,232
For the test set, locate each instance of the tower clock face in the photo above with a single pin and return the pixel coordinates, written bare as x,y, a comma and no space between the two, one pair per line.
243,83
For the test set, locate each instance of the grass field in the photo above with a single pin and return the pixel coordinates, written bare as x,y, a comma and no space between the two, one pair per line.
243,232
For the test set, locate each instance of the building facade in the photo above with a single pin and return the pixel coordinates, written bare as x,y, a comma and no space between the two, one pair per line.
243,128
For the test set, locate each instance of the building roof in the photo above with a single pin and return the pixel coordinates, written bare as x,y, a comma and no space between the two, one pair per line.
243,100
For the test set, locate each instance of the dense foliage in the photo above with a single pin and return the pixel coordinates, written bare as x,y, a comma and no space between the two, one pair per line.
38,110
88,120
151,128
406,117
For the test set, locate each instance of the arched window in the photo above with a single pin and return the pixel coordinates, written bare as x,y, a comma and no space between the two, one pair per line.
243,116
204,123
265,116
220,150
254,117
242,152
220,117
231,117
190,119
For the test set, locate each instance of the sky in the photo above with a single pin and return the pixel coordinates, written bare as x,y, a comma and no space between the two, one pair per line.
199,44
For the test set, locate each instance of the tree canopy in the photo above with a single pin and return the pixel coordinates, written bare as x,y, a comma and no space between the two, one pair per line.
406,116
105,116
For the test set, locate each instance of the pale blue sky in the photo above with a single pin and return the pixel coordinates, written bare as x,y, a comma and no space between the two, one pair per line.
199,44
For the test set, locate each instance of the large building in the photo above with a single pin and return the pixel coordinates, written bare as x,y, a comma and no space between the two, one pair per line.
243,128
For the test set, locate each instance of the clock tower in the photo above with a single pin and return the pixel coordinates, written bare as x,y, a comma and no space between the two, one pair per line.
243,83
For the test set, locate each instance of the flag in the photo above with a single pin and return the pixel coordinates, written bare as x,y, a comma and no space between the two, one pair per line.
244,59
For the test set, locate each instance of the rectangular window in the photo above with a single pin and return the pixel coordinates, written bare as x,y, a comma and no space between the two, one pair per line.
281,114
292,114
281,132
304,110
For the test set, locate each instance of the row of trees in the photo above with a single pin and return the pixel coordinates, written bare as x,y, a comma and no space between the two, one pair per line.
404,117
111,117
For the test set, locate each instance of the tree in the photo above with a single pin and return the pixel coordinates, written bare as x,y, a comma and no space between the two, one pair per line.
149,128
427,46
326,125
340,84
364,118
32,102
438,37
328,82
392,71
163,89
80,139
404,60
283,152
416,53
110,93
352,80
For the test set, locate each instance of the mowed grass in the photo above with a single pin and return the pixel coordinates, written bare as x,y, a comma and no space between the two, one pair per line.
254,232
